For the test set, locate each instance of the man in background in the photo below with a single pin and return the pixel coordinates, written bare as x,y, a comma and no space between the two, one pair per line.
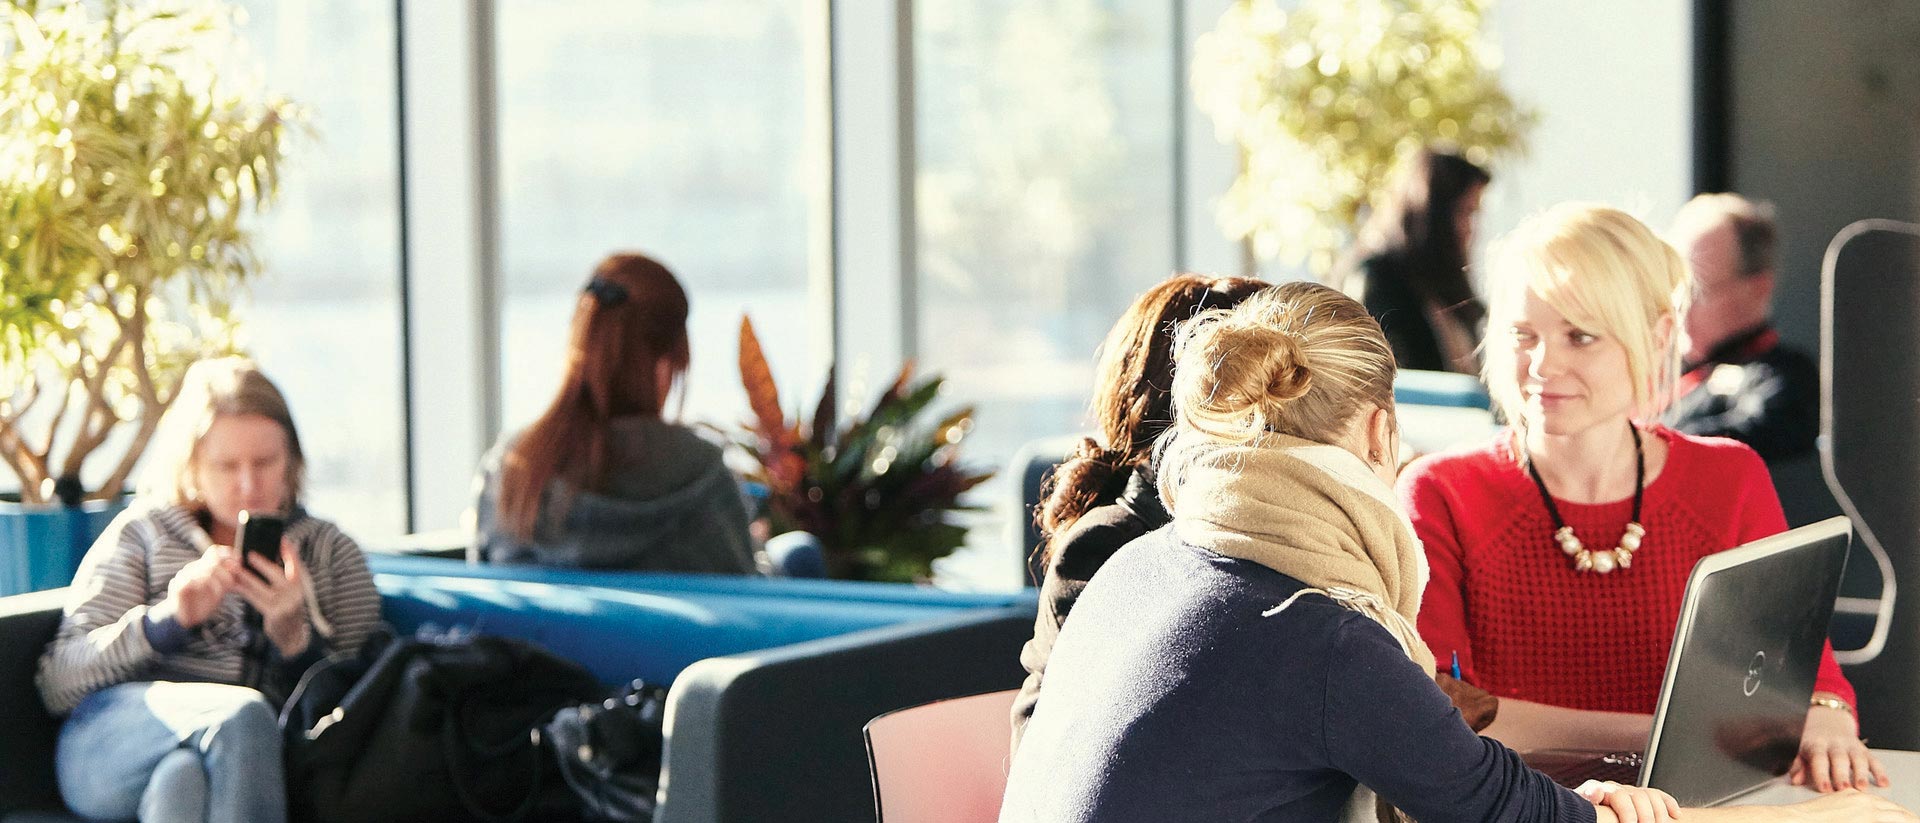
1738,380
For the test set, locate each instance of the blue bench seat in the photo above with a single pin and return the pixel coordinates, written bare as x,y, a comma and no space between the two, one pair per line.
622,625
772,678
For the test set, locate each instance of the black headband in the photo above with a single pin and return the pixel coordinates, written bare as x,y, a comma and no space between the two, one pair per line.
607,292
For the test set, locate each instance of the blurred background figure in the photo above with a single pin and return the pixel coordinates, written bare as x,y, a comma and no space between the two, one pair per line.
176,649
1409,264
603,480
1739,380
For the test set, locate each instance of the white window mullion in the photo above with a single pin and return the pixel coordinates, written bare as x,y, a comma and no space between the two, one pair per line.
452,268
873,183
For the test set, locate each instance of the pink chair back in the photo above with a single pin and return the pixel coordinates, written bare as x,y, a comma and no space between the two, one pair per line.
942,762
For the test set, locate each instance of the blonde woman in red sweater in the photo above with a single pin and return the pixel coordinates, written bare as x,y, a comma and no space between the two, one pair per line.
1560,550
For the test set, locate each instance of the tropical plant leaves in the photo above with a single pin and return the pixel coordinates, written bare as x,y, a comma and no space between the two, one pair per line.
876,488
763,395
777,441
126,168
820,430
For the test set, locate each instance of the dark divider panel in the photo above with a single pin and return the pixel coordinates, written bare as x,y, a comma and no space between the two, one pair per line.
27,732
1870,449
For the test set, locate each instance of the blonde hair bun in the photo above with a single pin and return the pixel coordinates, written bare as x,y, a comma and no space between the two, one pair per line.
1289,373
1297,358
1237,373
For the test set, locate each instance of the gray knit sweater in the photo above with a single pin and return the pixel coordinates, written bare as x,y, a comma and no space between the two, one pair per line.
668,504
106,637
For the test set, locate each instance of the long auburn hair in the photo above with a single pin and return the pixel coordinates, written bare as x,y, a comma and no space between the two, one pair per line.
630,319
1132,394
1416,222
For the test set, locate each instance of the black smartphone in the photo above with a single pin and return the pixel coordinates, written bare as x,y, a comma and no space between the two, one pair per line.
260,534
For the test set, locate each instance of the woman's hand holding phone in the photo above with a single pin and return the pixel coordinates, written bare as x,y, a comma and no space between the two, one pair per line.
278,592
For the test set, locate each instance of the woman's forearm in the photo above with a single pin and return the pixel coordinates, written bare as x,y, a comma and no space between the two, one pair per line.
1737,814
1525,726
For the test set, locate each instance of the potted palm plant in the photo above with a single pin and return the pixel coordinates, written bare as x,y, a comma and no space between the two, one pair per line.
129,169
874,488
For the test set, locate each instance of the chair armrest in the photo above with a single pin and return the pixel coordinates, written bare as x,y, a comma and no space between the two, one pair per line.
27,732
776,734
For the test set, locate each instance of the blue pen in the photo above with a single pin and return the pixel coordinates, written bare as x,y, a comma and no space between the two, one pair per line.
1456,665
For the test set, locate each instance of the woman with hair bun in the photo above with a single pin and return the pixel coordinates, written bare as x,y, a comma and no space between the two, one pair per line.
1561,550
1258,659
1104,495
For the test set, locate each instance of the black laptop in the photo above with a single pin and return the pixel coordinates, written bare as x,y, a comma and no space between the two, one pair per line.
1740,674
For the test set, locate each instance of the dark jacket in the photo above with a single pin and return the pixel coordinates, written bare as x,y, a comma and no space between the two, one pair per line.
1756,391
1384,283
669,504
1178,692
1076,556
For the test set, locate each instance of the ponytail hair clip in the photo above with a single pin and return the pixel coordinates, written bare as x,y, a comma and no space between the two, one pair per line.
607,292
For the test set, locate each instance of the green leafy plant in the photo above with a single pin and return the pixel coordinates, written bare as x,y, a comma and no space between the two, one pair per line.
876,490
128,171
1322,101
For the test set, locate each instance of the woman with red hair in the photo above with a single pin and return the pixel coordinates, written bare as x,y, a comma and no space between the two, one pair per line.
602,480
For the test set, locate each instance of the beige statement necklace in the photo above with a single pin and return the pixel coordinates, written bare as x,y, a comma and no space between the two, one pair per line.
1605,560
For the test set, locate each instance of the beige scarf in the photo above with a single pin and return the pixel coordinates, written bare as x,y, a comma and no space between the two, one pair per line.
1311,511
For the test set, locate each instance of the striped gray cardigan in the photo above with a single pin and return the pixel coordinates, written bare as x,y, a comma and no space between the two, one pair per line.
102,640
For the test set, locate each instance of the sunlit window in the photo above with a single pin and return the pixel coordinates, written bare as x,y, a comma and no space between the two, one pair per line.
325,318
670,127
1044,196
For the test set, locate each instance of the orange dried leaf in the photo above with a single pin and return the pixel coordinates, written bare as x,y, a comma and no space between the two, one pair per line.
763,396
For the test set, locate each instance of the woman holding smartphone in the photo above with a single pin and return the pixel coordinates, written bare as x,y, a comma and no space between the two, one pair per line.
175,649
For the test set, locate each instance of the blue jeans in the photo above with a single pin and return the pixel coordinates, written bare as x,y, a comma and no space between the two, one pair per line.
166,752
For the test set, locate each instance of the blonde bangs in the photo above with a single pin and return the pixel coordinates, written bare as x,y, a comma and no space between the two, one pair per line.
1605,272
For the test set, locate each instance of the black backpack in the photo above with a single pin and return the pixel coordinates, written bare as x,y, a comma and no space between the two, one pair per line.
609,753
431,729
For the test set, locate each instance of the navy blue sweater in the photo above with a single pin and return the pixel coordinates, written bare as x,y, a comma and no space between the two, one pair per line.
1171,697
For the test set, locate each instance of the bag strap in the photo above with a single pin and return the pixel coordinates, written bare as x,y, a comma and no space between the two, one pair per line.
299,693
452,741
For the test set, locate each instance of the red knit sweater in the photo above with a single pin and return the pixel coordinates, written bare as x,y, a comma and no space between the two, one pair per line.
1525,624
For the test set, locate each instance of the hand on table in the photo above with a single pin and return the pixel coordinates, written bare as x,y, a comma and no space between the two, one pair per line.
1832,755
1631,804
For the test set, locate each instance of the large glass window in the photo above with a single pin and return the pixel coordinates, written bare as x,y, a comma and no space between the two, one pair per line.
325,319
670,127
1044,197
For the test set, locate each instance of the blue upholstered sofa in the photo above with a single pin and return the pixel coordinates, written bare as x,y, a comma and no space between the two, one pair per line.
771,679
